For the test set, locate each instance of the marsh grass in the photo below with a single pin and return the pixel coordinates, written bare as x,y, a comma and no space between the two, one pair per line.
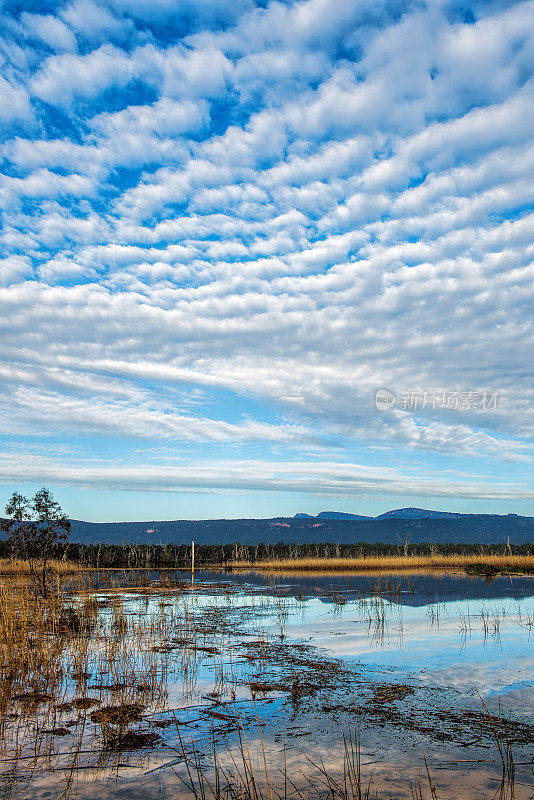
34,633
16,566
242,773
476,564
78,648
84,666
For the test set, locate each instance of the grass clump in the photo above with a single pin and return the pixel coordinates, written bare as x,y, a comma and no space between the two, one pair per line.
130,740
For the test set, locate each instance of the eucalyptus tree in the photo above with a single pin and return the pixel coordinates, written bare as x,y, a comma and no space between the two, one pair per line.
37,530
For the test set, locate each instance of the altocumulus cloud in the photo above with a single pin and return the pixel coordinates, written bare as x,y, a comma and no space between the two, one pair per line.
227,224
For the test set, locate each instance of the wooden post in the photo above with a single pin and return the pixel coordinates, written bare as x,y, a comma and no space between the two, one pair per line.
192,556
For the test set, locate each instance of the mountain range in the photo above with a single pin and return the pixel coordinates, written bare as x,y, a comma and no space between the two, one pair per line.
397,513
418,525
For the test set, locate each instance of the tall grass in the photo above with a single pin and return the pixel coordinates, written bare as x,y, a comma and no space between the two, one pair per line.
35,633
15,566
242,773
482,563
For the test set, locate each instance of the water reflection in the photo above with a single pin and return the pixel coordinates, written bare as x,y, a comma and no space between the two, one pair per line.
412,589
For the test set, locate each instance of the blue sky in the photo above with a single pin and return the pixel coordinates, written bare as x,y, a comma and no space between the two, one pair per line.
227,224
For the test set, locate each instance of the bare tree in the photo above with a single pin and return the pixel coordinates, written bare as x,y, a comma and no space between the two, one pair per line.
405,540
36,529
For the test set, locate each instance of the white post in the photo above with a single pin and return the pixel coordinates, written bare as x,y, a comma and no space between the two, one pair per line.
192,556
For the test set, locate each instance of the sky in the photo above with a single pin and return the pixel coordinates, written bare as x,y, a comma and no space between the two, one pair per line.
227,224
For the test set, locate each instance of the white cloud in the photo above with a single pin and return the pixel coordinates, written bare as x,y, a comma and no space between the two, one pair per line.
92,19
166,117
177,71
133,417
14,102
196,73
43,183
65,77
31,154
14,268
332,479
50,30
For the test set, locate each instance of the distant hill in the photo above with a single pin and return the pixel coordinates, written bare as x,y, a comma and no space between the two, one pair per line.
397,513
339,515
469,529
420,513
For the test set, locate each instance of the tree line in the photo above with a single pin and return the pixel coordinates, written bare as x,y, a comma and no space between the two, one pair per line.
37,531
161,556
179,555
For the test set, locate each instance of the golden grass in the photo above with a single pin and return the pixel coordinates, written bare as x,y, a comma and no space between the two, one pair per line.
386,563
16,566
30,658
48,641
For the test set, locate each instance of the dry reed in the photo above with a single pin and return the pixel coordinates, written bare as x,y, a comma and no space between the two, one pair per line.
15,566
496,563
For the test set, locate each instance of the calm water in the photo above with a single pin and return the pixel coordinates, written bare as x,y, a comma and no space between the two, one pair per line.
452,630
310,658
